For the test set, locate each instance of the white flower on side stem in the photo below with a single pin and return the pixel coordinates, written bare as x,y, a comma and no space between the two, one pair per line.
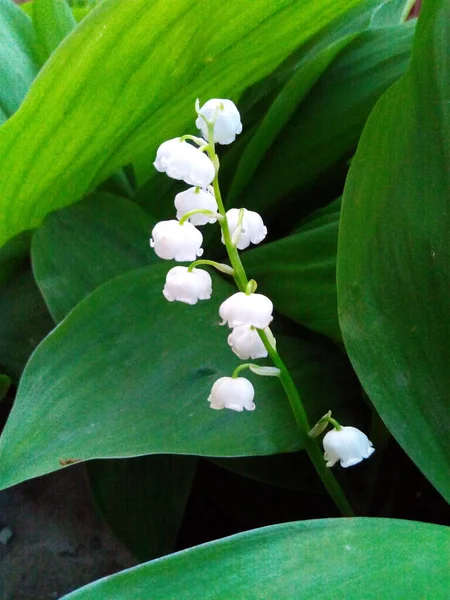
227,120
196,198
246,309
183,161
235,393
170,240
348,445
253,230
246,343
187,286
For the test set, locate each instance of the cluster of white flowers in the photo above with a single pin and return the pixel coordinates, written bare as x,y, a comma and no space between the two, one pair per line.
181,240
193,160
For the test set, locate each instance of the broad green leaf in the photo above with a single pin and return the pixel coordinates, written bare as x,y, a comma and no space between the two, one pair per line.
138,379
394,255
339,559
53,21
132,71
327,124
76,250
24,322
143,499
298,272
80,247
18,63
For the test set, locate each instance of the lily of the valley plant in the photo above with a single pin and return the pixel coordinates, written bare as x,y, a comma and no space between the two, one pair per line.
249,314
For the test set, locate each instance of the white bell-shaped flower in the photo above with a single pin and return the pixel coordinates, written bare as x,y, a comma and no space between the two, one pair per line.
246,343
348,445
227,120
187,286
235,393
170,240
196,198
181,160
246,309
253,230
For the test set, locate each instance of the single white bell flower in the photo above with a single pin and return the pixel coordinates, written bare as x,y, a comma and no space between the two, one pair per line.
183,161
187,286
348,445
227,120
246,343
253,230
235,393
170,240
196,198
246,309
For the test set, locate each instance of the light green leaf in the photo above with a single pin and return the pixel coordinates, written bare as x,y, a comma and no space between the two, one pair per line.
394,254
132,71
53,21
18,63
138,379
298,273
80,247
336,559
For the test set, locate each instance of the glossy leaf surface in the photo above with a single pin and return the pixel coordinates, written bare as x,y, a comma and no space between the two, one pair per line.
394,255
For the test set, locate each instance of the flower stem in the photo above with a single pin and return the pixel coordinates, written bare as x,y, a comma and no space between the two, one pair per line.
315,454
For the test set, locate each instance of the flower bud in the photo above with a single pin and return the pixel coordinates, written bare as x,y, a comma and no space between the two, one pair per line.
246,343
227,120
246,309
235,393
196,198
253,230
182,161
348,445
171,240
187,286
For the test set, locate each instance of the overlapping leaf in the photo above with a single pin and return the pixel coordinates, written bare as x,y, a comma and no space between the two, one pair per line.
126,79
339,559
394,256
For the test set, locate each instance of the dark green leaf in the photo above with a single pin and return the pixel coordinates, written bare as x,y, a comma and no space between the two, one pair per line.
24,322
394,255
336,559
5,383
138,379
143,499
298,272
79,248
18,64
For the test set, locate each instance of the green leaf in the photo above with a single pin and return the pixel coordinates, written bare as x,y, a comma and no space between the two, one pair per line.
282,109
14,255
80,247
53,21
75,130
75,251
339,559
138,379
394,255
298,272
143,499
24,322
18,64
327,124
